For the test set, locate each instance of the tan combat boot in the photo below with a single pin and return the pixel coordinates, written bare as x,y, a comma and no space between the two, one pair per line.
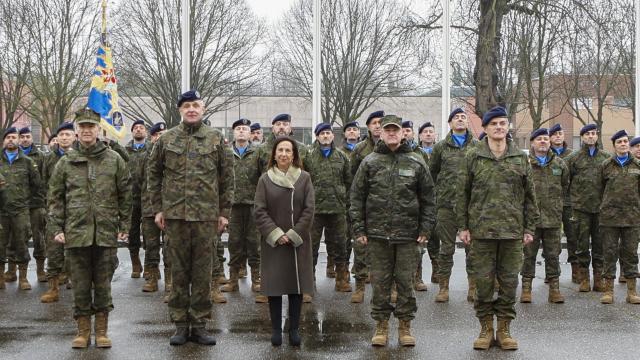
216,295
503,335
632,296
525,297
555,297
621,278
471,293
22,277
167,284
307,298
222,280
575,273
419,283
342,278
10,275
434,271
136,266
585,281
598,283
331,268
358,295
381,337
42,275
83,337
53,293
232,285
261,299
607,297
485,339
151,284
404,334
255,280
101,327
443,293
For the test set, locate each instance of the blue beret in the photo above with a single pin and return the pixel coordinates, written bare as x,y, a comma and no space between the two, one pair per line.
554,129
255,126
375,114
635,141
424,126
408,124
588,127
482,135
64,126
618,135
454,113
11,130
350,124
281,117
321,127
497,111
137,122
24,130
157,127
191,95
538,132
245,122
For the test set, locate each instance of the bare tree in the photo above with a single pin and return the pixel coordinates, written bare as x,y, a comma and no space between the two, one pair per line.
626,96
147,44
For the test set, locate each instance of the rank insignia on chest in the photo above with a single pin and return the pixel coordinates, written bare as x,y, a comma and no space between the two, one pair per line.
406,172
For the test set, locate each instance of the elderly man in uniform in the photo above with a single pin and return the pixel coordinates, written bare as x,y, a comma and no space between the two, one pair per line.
393,177
497,212
89,210
256,134
191,185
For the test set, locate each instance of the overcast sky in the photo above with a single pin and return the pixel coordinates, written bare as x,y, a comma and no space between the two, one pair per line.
270,9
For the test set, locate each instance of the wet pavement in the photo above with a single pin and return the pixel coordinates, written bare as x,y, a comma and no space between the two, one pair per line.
332,327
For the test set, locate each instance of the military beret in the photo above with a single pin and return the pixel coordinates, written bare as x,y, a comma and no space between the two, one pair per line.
618,135
24,130
245,122
191,95
554,129
588,127
391,120
635,141
137,122
495,112
157,127
322,127
350,124
407,124
538,132
281,117
454,113
11,130
64,126
375,114
482,135
87,116
424,126
255,126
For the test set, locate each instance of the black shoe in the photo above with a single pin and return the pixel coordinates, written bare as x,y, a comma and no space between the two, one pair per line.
180,336
199,335
294,337
276,337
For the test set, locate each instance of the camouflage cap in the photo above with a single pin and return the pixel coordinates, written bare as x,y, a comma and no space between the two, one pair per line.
391,120
87,115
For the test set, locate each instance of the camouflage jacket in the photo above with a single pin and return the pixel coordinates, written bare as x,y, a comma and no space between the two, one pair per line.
552,188
565,152
425,156
89,197
190,174
264,152
392,196
497,197
585,189
447,159
362,149
142,174
331,178
38,199
246,172
22,180
136,162
345,149
49,163
620,206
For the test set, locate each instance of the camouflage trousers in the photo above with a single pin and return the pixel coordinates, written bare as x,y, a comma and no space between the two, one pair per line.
134,231
217,254
38,224
551,247
567,228
496,259
393,263
589,242
190,250
622,242
92,270
244,245
334,226
56,261
154,240
15,231
361,261
446,231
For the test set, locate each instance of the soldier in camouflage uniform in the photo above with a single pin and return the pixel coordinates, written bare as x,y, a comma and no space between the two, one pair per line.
360,267
37,212
551,180
446,167
497,212
351,131
22,179
89,203
393,177
280,126
57,268
619,213
331,177
137,150
191,185
585,202
561,149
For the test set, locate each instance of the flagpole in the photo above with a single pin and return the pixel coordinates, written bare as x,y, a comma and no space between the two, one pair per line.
316,116
104,22
446,70
186,46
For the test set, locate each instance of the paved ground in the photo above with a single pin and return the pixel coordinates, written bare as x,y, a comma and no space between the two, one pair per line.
332,327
